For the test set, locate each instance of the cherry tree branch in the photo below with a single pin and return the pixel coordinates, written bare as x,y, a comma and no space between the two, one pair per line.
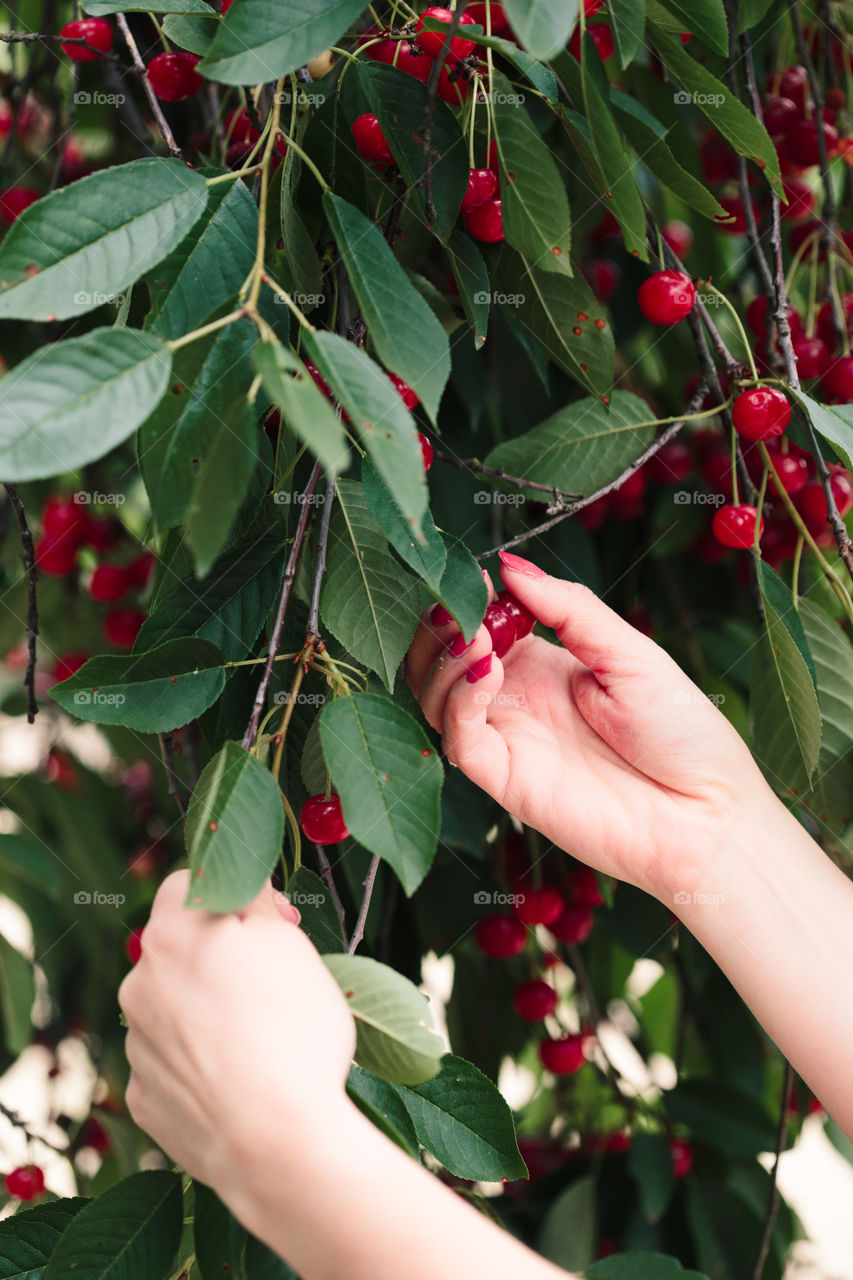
313,630
473,464
168,136
32,601
15,1120
169,749
329,881
773,1194
369,881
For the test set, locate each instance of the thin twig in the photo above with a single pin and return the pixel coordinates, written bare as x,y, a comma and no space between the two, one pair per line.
320,566
15,1120
743,173
62,141
168,749
773,1196
329,880
429,108
474,464
168,136
32,601
369,881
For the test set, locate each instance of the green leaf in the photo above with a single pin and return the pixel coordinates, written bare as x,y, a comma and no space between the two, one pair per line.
367,602
428,558
389,780
706,19
17,993
219,1239
29,1237
465,1122
223,477
29,859
398,101
462,590
541,77
381,1102
151,692
209,266
69,403
650,1164
472,281
395,1039
549,310
303,406
581,447
234,830
542,26
832,785
190,32
320,919
775,593
786,726
723,1117
101,8
835,424
379,415
104,231
259,42
726,113
408,338
646,135
628,24
131,1232
537,220
568,1234
299,249
228,607
640,1266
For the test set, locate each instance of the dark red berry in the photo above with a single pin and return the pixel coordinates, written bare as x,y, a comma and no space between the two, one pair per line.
734,220
812,356
791,83
584,887
837,382
603,276
791,468
25,1183
501,628
486,221
140,569
14,200
60,769
370,140
666,297
95,31
109,583
756,317
522,618
602,38
539,906
94,1135
801,200
562,1057
811,500
173,76
682,1157
761,413
403,55
432,42
499,20
574,925
779,114
500,936
672,463
68,663
482,183
63,518
56,557
427,451
322,820
678,236
133,946
122,626
102,532
735,526
802,142
534,1000
410,398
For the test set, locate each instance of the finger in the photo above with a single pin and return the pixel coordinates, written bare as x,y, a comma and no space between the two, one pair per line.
468,739
451,665
436,629
271,903
172,894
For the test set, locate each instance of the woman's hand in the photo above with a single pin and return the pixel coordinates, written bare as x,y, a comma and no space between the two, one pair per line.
236,1029
601,742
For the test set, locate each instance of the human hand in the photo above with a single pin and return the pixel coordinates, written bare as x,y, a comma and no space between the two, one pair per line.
236,1028
601,742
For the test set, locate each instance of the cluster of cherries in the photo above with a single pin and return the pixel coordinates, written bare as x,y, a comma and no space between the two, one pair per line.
172,75
32,128
68,526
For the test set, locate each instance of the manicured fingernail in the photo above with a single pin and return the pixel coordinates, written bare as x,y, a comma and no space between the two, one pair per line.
479,669
439,616
485,574
459,645
518,565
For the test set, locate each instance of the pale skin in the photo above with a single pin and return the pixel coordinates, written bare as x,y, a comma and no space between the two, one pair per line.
240,1041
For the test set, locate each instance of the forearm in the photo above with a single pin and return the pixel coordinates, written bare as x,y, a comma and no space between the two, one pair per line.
358,1206
777,916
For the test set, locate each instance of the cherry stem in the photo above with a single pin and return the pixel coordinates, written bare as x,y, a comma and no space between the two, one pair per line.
429,108
329,881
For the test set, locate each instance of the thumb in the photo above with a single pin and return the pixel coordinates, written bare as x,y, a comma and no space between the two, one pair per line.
270,902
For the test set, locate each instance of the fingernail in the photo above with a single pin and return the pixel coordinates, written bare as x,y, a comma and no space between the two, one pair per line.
439,616
459,645
479,669
519,565
485,574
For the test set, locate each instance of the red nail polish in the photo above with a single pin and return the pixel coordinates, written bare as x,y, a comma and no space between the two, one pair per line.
479,669
459,645
439,617
519,565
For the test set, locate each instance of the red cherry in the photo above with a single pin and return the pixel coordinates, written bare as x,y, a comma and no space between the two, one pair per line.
109,583
812,356
486,221
756,317
672,463
61,518
522,618
678,236
322,820
14,200
811,501
534,1000
501,628
735,526
403,55
837,382
626,502
427,451
320,382
370,140
57,559
779,114
602,38
539,906
574,925
140,569
500,22
792,470
432,42
94,1135
410,398
666,297
592,7
716,471
133,946
825,323
593,516
75,162
734,220
500,936
761,413
682,1157
603,276
122,626
482,183
453,86
802,142
584,887
791,83
717,158
173,76
25,1183
68,663
801,201
95,31
835,99
60,770
562,1057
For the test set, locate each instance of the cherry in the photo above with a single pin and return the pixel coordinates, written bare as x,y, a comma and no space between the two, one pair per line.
761,413
410,398
500,936
94,1135
735,526
109,583
144,863
14,200
792,470
756,317
812,356
837,382
60,769
791,83
486,221
562,1057
734,220
432,42
501,628
835,99
427,451
482,183
75,163
122,626
534,1000
825,322
403,55
521,616
102,532
370,140
62,517
95,31
25,1183
802,142
322,820
672,463
779,114
539,906
603,276
56,558
678,236
716,471
320,382
574,925
173,76
666,297
140,569
811,500
453,87
682,1157
602,38
801,201
593,516
133,946
68,663
626,502
500,22
718,160
584,887
592,7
